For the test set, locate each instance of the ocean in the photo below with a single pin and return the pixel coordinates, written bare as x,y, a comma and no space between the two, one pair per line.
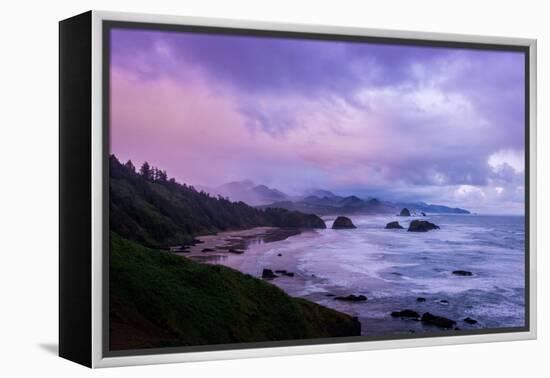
393,268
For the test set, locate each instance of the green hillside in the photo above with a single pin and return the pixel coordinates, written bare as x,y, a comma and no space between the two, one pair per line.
149,208
158,299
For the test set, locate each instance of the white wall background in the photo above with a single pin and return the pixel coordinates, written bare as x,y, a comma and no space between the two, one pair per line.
28,190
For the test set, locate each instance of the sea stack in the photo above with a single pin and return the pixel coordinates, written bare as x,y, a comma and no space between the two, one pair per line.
462,273
438,321
405,212
342,223
406,314
393,225
422,226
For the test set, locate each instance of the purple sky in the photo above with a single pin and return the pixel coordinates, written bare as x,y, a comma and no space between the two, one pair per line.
407,123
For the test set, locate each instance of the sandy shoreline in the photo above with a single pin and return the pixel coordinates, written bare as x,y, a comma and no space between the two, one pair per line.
213,248
253,250
391,268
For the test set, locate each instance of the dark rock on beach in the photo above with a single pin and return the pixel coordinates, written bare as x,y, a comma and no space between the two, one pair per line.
423,213
285,273
444,302
393,225
438,321
470,321
208,250
268,273
342,223
421,299
237,251
352,298
462,273
278,254
405,314
194,242
421,226
405,212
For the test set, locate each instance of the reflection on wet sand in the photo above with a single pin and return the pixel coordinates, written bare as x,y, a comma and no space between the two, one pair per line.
213,249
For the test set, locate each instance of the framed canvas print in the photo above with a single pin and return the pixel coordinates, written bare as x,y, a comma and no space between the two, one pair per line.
235,189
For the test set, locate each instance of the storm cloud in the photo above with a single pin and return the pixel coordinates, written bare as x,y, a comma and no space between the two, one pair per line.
441,125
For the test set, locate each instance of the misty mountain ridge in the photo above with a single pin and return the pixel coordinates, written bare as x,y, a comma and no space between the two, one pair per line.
321,201
337,205
321,193
431,208
248,192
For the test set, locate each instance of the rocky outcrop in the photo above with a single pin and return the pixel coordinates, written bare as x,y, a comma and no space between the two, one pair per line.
285,273
438,321
342,223
405,212
268,274
470,321
464,273
405,314
194,242
421,299
393,225
293,219
422,226
352,298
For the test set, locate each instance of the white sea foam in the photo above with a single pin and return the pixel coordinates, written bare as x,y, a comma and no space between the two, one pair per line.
393,267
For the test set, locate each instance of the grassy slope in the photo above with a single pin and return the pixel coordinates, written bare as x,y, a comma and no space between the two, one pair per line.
159,299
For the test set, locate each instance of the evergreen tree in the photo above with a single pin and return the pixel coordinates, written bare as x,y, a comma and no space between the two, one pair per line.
130,166
145,171
162,176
